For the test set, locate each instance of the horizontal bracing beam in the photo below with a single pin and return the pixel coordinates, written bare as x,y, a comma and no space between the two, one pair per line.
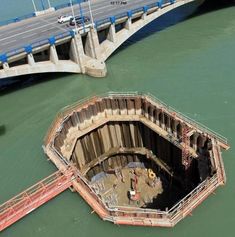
127,151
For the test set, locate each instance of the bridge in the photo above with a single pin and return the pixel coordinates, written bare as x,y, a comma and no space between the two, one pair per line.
40,45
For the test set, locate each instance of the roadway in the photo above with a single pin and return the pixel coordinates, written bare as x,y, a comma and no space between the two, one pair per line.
23,33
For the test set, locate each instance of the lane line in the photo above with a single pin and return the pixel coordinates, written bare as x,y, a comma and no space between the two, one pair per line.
26,36
25,32
9,42
25,27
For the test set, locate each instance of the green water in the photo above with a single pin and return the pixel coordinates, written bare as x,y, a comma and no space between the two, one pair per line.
191,66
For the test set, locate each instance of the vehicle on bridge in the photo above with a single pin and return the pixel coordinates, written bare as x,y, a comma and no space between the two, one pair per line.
64,19
79,20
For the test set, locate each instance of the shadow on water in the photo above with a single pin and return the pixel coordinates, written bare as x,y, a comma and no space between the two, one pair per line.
213,5
2,130
12,84
174,17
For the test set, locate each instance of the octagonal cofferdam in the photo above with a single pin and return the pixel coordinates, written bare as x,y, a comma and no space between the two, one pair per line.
135,160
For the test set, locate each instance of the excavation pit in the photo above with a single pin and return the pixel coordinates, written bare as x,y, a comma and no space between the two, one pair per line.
135,160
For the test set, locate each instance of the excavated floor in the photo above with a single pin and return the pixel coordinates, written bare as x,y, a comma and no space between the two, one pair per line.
114,188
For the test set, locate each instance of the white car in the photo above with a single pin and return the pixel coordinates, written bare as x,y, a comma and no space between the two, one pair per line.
63,19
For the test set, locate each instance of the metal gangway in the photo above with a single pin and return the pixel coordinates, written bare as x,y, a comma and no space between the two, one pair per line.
35,196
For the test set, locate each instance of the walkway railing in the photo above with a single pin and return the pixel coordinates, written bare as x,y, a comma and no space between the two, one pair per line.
194,198
189,120
177,212
27,201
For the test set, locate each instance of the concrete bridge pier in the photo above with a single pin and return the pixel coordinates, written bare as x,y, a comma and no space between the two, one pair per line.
30,59
128,24
112,33
77,52
5,66
53,55
94,66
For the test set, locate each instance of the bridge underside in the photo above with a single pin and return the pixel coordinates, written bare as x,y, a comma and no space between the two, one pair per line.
85,52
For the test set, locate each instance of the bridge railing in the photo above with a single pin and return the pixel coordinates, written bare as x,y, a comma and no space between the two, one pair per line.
37,44
68,4
121,15
17,19
15,52
62,35
159,3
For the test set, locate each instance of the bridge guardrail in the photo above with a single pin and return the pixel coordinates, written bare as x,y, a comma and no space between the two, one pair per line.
152,5
64,5
14,52
97,23
121,15
101,22
39,43
63,35
136,10
17,19
133,11
36,44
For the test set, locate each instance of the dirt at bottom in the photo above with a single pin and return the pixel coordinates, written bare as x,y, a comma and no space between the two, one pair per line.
115,188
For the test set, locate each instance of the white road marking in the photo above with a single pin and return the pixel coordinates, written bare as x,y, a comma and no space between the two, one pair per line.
8,42
26,36
24,27
55,26
25,32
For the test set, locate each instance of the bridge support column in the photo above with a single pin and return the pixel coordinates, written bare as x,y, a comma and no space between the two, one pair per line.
89,49
112,33
92,47
145,9
128,24
30,59
77,52
53,55
5,66
143,17
93,64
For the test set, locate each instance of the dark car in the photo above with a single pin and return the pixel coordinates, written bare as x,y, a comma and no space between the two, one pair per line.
79,20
